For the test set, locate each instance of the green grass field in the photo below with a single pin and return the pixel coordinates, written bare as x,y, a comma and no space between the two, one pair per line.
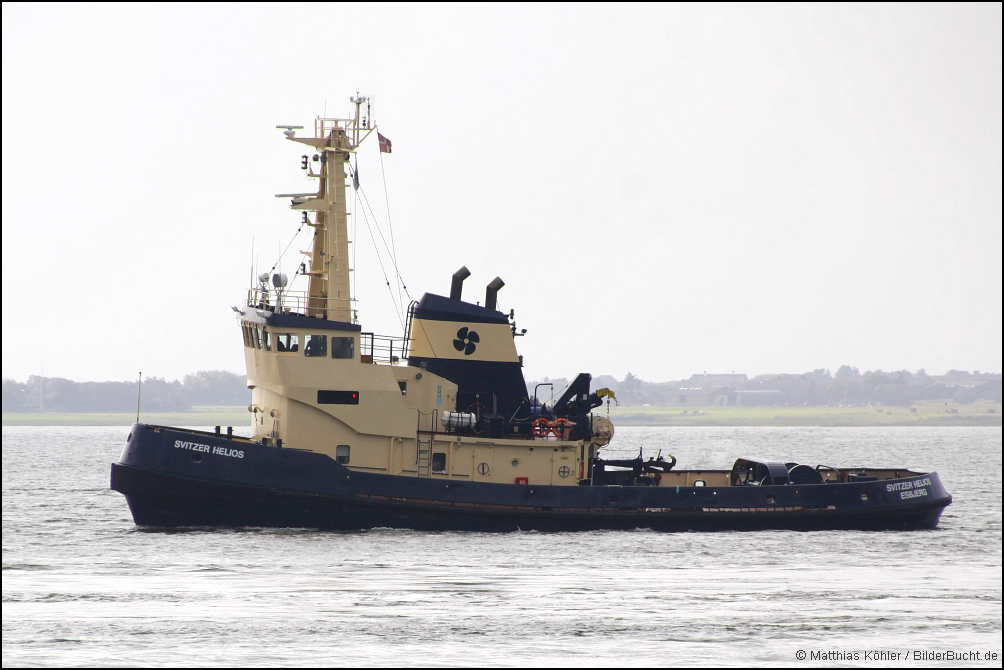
931,414
199,416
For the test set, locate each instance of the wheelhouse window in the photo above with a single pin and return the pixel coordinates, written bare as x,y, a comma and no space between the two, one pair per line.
247,334
342,453
343,347
266,338
316,345
287,342
257,336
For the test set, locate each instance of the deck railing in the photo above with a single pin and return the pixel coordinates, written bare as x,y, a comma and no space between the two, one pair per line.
382,348
294,302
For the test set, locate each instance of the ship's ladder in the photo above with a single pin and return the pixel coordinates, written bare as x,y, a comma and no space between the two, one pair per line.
424,460
423,443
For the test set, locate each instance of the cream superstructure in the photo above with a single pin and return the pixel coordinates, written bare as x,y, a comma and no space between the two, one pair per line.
321,384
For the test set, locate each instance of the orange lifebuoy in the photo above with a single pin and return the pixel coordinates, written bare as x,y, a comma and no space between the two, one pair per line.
560,427
540,427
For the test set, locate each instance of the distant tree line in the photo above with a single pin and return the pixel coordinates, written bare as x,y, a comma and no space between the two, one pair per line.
53,394
819,387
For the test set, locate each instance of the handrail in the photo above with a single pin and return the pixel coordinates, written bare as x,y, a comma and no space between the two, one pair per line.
294,302
383,348
407,328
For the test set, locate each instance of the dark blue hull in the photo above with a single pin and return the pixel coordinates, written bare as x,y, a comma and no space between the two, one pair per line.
237,483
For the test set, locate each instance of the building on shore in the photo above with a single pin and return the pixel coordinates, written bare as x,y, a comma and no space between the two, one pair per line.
701,396
705,380
760,398
795,388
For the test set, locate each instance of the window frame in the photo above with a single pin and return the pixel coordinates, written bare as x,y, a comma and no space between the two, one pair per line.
310,349
288,343
351,348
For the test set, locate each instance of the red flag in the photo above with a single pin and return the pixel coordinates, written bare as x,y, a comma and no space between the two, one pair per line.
384,144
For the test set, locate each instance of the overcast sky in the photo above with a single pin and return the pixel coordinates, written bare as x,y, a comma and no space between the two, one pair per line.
664,189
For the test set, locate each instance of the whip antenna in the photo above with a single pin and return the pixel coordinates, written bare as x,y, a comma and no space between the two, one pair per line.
139,394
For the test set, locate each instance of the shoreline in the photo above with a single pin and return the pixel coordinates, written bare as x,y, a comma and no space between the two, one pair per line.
931,414
199,416
940,414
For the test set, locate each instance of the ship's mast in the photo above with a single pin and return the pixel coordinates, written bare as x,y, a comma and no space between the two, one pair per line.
329,290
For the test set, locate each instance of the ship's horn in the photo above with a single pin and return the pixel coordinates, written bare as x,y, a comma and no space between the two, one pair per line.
491,294
457,287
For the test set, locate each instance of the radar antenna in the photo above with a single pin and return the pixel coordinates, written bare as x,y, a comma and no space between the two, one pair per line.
290,131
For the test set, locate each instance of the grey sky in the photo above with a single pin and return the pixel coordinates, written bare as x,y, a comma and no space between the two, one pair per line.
664,189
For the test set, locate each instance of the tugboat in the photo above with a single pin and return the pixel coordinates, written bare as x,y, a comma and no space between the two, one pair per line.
435,430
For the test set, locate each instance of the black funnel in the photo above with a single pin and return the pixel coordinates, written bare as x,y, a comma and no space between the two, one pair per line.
491,294
457,287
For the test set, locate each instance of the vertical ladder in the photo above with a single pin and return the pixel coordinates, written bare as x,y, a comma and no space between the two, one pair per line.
424,456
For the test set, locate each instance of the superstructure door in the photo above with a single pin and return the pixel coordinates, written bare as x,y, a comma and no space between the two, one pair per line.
563,467
484,465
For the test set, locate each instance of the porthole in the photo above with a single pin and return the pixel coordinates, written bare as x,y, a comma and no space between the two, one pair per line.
515,462
864,496
770,500
197,457
700,482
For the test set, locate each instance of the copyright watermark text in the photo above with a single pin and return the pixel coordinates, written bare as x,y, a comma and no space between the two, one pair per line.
919,655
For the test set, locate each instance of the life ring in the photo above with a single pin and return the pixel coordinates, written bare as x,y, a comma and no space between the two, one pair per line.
560,427
540,427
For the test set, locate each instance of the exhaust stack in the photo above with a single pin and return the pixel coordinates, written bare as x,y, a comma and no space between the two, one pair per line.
457,287
491,294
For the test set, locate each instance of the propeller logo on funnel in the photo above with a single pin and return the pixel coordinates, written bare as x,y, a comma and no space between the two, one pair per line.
467,341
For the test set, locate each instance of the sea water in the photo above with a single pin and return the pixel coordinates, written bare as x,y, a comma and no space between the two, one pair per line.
82,585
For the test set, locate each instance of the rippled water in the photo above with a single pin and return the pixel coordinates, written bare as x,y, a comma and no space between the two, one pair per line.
83,586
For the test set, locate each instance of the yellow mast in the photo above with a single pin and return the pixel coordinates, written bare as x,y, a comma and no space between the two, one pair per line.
329,290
